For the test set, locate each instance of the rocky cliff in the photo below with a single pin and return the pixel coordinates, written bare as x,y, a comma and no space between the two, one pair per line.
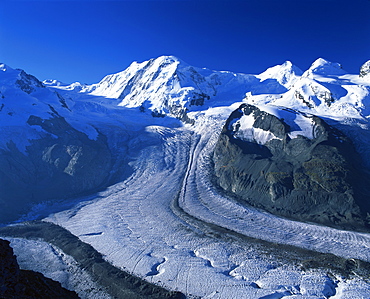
365,69
311,176
16,283
63,163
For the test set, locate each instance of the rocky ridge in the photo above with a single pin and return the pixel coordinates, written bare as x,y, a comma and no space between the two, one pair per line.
365,69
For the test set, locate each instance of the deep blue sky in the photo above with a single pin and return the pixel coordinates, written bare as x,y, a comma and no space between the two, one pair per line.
85,40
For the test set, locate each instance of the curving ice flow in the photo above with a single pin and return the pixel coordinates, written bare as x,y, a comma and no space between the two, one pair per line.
202,201
149,225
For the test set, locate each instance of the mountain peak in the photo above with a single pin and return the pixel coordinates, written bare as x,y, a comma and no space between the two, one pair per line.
5,68
167,58
285,73
324,67
159,61
286,67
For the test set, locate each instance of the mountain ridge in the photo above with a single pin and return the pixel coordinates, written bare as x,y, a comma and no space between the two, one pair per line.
157,91
183,88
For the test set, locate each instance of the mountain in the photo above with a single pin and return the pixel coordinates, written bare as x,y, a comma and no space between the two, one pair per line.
62,134
294,165
280,76
167,85
171,171
42,154
277,154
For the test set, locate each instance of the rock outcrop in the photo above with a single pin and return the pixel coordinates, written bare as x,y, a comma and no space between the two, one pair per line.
62,164
365,69
311,179
27,82
16,283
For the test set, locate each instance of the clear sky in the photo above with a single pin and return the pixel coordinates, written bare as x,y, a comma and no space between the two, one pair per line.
86,40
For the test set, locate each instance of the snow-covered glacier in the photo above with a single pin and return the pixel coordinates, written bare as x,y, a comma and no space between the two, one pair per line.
127,165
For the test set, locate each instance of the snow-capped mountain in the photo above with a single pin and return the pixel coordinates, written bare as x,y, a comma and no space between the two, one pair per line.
326,90
167,85
128,164
285,75
47,150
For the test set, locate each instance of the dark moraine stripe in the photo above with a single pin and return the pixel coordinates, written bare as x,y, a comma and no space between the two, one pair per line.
117,283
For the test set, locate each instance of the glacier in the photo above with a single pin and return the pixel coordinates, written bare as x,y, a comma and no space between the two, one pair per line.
158,214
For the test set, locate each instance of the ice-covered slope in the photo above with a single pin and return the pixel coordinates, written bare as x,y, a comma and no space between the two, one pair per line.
325,90
279,78
23,95
167,85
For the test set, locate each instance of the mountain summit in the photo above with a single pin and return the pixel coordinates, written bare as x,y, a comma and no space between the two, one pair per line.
324,67
167,85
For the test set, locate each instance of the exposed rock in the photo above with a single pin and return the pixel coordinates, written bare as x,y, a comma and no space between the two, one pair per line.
27,82
16,283
315,179
64,163
198,99
365,69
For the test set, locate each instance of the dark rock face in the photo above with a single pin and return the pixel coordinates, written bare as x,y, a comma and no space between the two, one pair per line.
62,164
27,82
365,69
198,99
16,283
316,179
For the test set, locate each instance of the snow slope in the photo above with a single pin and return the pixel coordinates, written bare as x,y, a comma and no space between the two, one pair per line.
167,84
166,222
